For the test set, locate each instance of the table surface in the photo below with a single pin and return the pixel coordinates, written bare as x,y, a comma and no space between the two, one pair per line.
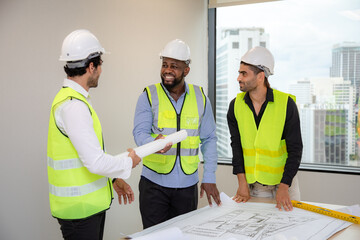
350,233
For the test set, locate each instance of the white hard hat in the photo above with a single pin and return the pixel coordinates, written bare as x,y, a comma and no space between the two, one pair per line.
79,45
260,57
178,50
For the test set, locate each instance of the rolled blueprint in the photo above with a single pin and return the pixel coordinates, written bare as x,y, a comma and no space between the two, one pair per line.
157,145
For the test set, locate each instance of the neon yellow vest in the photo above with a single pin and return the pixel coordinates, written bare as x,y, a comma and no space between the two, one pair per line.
166,121
74,192
264,151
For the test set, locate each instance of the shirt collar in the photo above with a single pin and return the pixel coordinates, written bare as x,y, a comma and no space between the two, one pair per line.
77,87
167,92
269,96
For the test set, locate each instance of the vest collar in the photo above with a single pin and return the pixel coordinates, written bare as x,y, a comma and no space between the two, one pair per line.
167,92
269,96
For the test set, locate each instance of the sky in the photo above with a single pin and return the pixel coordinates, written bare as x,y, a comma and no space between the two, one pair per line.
301,33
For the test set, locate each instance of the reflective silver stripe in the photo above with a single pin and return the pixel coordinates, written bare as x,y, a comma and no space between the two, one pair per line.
76,191
189,152
184,152
200,102
193,132
154,102
172,151
64,164
168,131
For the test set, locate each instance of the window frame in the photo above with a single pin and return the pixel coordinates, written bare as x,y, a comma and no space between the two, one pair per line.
212,96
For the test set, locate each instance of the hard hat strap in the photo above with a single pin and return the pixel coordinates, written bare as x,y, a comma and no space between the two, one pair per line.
84,62
265,69
77,64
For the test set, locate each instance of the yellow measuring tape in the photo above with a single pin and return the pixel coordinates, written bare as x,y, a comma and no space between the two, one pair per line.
325,211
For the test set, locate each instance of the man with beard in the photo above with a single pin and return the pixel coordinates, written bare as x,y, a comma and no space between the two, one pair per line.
168,184
79,171
265,134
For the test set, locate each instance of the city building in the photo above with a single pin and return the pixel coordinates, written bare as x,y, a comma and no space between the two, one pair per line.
327,121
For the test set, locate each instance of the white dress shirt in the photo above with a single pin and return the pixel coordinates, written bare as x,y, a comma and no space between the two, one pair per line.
73,118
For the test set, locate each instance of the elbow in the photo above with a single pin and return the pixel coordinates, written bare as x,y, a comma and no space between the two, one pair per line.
92,168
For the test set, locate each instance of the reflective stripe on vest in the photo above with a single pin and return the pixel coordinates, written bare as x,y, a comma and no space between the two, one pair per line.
65,164
166,121
264,151
74,192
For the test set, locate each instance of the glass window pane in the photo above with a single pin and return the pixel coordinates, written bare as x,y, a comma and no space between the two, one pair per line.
316,46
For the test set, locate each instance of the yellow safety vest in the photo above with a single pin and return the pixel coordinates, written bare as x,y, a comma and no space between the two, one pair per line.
74,192
166,121
264,151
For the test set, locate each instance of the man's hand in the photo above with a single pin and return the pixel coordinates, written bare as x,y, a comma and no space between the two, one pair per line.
211,191
124,191
243,192
166,148
135,158
283,197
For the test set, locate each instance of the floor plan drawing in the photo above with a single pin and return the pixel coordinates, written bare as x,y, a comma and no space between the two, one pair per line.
248,221
253,224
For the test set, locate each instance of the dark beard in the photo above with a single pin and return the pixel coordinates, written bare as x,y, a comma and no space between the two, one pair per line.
93,82
176,82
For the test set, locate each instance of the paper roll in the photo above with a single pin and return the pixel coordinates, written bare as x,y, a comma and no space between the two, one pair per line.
157,145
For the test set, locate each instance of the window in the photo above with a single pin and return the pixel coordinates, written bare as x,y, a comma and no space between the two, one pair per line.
316,46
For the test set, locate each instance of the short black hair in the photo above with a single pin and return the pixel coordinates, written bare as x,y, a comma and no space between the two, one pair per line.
253,68
72,72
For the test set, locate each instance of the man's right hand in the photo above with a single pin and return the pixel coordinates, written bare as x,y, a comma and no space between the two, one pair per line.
135,158
242,195
167,146
243,192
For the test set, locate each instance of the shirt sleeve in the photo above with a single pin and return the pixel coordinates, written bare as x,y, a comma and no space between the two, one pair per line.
209,144
292,136
74,119
143,121
238,157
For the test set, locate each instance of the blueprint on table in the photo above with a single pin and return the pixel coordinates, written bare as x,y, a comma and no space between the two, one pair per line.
252,221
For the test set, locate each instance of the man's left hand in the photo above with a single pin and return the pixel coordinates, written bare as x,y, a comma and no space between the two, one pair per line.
283,197
124,191
211,191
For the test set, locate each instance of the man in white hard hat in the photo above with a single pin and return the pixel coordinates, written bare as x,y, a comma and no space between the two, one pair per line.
265,134
168,184
79,171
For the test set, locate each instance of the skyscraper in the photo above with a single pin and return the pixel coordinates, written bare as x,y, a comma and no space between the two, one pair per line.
346,63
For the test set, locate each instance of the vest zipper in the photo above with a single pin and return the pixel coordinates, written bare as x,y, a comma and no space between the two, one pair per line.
178,129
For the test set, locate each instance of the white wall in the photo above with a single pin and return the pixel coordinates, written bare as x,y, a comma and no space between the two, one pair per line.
32,32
